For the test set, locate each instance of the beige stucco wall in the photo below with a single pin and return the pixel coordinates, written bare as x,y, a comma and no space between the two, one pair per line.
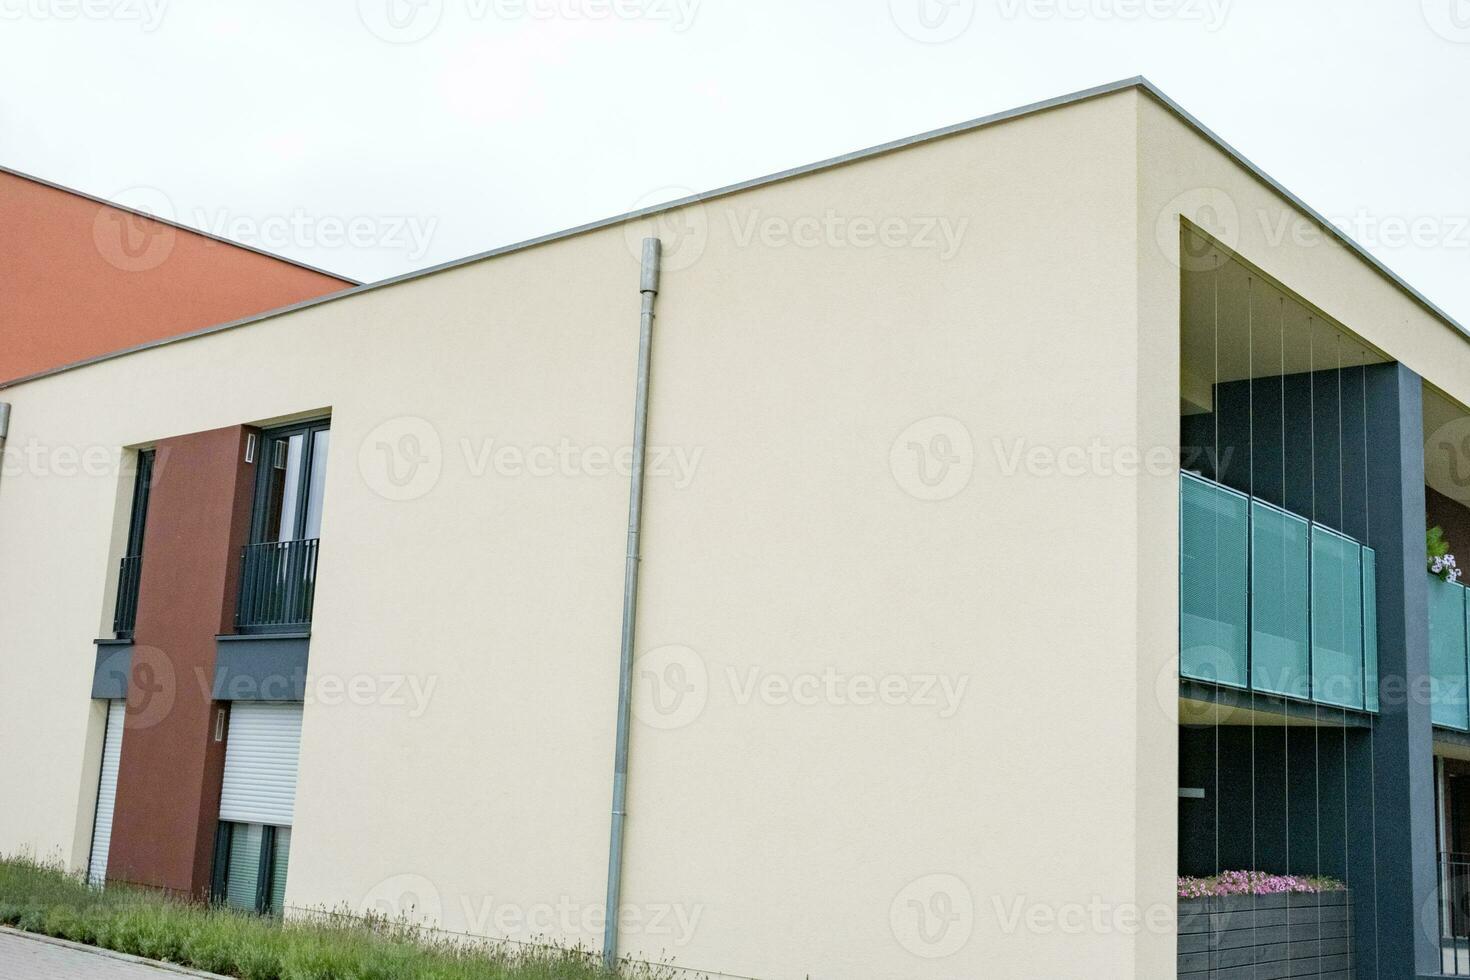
858,711
765,838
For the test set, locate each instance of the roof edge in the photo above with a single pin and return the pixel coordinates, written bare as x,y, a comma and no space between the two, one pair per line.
1316,216
176,224
1138,82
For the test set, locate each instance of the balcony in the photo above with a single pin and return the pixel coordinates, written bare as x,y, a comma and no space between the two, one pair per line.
1273,602
125,612
1449,613
277,585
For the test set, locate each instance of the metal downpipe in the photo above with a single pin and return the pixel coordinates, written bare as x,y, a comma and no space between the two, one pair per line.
648,287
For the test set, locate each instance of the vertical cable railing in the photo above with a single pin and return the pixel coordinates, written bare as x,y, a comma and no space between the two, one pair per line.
125,613
277,585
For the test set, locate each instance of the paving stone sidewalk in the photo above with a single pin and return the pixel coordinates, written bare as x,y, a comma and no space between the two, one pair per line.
24,957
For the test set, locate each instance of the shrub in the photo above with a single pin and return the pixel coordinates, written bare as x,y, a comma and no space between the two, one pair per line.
43,897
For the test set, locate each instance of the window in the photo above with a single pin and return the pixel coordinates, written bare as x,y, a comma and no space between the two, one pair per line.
130,570
290,481
257,805
250,867
278,570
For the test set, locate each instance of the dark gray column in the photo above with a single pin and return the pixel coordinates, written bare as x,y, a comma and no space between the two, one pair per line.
1393,814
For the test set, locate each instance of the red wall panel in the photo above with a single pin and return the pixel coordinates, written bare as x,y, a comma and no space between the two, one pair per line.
169,777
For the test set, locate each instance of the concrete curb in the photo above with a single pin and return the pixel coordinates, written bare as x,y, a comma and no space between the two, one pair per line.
111,954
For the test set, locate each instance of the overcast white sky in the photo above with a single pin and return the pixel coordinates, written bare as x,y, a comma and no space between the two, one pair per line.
453,126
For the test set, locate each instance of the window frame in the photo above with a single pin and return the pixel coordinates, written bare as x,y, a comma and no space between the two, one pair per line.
265,465
219,873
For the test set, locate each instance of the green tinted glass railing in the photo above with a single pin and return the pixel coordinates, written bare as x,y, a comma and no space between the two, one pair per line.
1337,619
1447,654
1280,627
1272,602
1213,573
1370,629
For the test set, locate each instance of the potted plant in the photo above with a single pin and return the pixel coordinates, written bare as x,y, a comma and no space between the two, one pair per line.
1441,562
1299,925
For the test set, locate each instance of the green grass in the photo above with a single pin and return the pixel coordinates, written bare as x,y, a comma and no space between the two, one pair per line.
46,899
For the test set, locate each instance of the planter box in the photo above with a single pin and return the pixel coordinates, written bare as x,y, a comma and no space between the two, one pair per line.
1254,937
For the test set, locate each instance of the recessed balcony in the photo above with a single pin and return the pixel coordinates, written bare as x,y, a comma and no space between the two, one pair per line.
1273,602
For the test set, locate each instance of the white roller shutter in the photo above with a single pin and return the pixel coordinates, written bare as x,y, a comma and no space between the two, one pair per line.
260,763
106,792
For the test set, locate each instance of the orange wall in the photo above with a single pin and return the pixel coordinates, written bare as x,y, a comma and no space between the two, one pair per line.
79,278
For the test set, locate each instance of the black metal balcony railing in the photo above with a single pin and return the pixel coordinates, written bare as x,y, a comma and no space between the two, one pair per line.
277,584
125,614
1454,914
